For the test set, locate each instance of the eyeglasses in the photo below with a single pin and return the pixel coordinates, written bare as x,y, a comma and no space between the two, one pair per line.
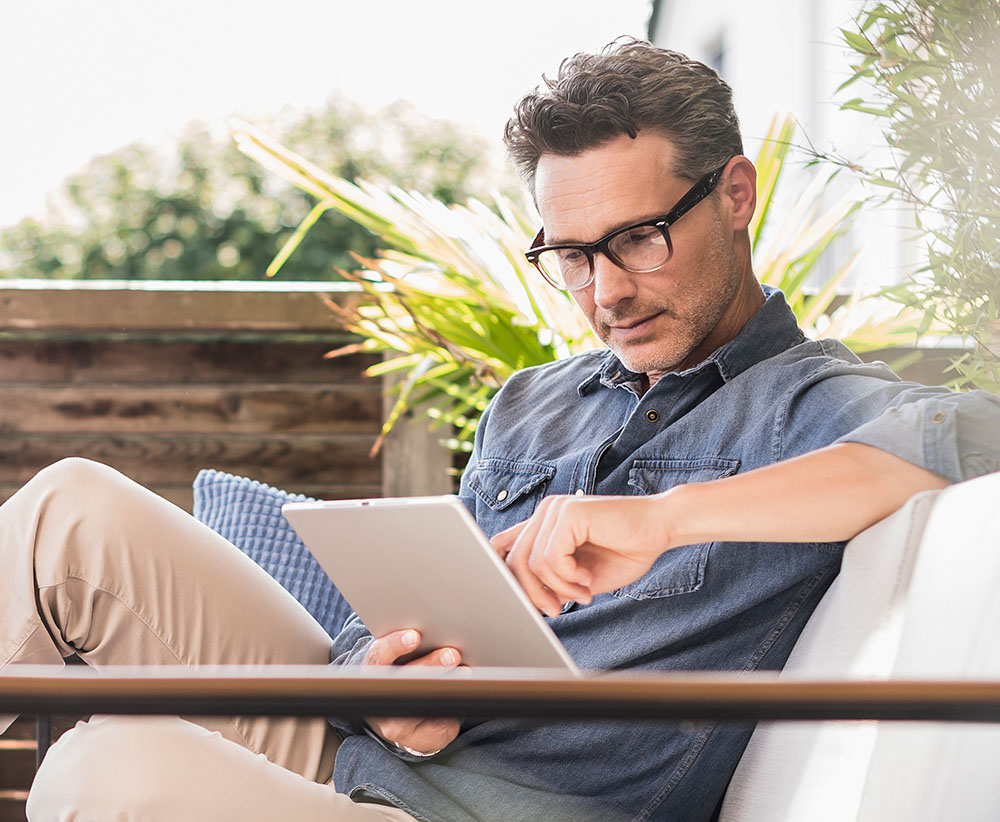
638,248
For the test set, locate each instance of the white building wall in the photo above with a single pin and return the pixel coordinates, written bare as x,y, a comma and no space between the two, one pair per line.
788,55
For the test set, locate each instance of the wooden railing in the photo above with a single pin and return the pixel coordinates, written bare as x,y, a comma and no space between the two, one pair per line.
509,693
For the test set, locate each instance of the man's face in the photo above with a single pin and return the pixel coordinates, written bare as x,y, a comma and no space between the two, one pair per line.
663,320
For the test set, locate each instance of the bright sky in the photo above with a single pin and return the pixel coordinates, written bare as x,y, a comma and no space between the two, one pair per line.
82,78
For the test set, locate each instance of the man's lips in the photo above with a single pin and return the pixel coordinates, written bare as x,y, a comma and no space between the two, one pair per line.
633,327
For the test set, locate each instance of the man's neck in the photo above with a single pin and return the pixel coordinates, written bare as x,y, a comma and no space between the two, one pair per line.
745,304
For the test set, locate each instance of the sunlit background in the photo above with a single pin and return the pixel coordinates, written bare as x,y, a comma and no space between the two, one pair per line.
84,78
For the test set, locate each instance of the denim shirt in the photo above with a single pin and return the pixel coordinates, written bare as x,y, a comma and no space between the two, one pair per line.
582,423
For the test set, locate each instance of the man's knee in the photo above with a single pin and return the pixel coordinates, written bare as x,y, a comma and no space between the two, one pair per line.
119,768
77,475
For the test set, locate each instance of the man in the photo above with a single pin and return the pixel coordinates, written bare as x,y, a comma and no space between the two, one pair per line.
677,501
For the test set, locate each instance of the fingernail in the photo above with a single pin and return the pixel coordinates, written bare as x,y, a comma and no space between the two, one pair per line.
449,657
410,639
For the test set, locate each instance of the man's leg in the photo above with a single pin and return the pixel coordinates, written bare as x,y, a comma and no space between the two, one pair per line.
96,565
163,769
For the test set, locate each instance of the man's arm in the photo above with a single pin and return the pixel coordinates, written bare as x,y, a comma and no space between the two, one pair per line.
575,547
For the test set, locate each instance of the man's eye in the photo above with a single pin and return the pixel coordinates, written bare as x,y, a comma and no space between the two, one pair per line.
571,257
638,235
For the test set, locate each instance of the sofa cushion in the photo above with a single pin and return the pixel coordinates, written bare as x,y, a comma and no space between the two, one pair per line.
248,514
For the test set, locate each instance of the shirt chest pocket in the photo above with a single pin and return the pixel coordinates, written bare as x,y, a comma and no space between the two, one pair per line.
508,491
681,570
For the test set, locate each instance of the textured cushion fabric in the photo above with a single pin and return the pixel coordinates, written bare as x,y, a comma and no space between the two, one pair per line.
248,514
818,770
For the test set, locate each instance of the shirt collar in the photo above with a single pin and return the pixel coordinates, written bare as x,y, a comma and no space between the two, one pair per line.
770,331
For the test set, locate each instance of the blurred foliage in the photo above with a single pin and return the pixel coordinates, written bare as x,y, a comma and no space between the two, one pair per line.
202,210
788,252
930,73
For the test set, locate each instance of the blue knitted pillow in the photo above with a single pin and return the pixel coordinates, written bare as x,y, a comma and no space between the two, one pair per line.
248,514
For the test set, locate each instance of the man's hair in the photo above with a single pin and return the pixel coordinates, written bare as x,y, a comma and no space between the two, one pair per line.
629,86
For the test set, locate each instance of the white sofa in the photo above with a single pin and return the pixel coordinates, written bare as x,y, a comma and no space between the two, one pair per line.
917,598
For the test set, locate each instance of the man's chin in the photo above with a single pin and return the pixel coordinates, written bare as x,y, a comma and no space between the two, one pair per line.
644,358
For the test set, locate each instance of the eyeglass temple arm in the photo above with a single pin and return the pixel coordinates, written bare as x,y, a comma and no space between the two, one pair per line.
704,187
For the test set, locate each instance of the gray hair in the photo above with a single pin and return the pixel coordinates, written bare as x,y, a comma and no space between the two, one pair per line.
629,86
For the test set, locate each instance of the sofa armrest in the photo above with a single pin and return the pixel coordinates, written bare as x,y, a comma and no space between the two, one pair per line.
915,598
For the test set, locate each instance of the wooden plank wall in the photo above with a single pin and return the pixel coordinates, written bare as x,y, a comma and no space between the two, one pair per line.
159,381
162,383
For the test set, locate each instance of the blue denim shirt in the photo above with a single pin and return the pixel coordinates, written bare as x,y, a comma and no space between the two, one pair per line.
581,423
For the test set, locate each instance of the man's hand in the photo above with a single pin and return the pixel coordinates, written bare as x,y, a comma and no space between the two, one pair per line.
574,547
421,735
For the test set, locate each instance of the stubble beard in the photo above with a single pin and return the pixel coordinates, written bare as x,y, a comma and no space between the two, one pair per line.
687,329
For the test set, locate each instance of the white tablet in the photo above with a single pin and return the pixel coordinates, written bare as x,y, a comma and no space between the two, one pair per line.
424,563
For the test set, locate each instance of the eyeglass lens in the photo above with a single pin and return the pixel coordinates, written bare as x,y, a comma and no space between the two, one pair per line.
639,249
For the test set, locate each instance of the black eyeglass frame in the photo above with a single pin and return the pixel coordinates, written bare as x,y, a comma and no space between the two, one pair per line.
698,192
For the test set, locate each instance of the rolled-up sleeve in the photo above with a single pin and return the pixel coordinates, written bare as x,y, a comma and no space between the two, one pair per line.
954,435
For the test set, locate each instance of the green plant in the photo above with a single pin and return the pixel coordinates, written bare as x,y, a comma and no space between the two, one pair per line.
455,306
930,70
452,302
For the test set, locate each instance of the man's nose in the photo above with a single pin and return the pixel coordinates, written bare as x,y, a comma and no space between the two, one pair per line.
612,283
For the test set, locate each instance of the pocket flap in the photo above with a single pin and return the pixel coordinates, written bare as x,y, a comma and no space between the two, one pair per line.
500,482
680,570
650,476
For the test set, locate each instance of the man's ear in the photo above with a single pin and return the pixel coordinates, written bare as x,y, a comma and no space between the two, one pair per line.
739,186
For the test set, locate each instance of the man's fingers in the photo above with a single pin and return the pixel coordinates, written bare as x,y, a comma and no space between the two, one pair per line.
504,541
441,658
551,557
387,649
517,560
546,588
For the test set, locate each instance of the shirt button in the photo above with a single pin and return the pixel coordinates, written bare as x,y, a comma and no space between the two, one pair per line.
939,416
652,415
580,492
502,495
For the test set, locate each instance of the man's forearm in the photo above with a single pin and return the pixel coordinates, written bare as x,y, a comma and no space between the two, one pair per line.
825,496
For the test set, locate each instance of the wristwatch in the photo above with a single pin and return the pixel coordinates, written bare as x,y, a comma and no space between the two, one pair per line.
403,749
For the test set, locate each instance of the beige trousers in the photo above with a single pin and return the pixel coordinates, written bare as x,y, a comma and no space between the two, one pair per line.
93,564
